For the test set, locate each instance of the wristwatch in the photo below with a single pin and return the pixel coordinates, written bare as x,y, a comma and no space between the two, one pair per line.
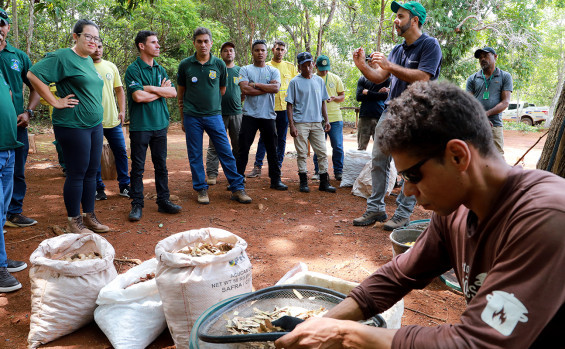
30,112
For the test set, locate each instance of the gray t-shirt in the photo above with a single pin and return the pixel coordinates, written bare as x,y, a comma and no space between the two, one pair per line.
498,82
262,106
306,97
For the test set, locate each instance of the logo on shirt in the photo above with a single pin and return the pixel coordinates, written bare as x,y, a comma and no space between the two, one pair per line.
331,85
236,79
15,65
133,83
109,76
99,76
212,74
503,312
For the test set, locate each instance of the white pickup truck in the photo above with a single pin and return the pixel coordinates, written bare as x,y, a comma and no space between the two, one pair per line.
525,112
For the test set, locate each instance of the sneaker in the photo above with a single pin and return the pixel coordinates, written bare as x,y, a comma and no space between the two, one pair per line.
369,218
241,197
91,222
203,198
168,207
101,195
18,220
125,190
212,180
396,222
256,172
135,213
8,283
15,266
316,177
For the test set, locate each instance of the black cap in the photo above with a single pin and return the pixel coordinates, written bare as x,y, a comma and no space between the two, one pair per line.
227,43
485,49
304,57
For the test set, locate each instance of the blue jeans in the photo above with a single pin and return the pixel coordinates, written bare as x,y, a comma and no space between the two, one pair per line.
282,127
157,141
115,137
214,126
336,140
82,149
19,173
7,159
380,174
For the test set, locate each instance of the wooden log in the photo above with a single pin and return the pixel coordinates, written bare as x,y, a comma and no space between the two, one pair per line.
108,163
31,141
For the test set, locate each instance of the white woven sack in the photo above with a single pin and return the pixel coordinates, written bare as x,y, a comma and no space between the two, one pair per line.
63,294
131,317
363,184
353,162
189,285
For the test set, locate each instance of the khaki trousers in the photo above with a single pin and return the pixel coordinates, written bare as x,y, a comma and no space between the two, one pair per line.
313,132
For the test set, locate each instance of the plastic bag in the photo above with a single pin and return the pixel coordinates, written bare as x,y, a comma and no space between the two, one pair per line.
63,294
353,162
189,285
131,314
363,185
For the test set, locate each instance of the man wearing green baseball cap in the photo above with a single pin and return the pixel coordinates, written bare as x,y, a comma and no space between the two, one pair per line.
418,58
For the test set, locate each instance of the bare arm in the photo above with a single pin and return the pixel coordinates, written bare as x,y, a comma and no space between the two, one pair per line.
121,97
272,87
43,90
248,89
405,74
166,90
503,104
291,126
23,118
222,90
141,96
327,126
375,75
339,98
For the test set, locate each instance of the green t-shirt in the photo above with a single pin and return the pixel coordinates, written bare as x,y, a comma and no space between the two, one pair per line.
231,100
152,116
76,75
8,118
14,64
202,84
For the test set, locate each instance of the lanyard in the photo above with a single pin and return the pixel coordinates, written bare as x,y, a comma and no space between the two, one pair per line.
486,94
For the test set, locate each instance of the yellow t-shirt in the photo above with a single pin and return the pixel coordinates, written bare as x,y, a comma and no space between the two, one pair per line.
334,86
288,71
111,75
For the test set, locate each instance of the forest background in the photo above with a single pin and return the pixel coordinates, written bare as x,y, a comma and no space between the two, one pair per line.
528,35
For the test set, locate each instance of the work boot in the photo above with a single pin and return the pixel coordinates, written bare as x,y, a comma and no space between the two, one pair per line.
135,213
8,283
212,180
396,222
325,183
241,197
277,184
76,226
370,217
18,220
256,172
101,195
15,266
203,198
168,207
91,222
304,182
338,176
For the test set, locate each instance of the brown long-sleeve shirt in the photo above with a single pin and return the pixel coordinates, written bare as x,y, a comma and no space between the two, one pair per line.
510,267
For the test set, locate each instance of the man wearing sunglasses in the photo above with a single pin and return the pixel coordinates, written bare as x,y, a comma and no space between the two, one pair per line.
417,59
14,65
499,227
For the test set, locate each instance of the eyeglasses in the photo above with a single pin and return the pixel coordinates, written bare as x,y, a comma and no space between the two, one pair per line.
91,38
3,15
413,174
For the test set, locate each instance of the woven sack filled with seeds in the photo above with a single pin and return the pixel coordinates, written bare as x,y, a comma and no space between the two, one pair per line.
197,269
67,273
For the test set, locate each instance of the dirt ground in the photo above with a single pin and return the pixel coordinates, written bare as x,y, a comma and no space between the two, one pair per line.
281,229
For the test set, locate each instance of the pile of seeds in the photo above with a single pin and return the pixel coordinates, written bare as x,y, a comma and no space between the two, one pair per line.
202,249
147,277
82,257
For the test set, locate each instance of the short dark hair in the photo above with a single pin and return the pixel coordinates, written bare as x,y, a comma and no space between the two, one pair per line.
258,42
428,115
81,23
419,19
279,43
201,31
141,37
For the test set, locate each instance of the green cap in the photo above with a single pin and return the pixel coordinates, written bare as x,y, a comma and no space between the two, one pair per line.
413,6
323,63
4,16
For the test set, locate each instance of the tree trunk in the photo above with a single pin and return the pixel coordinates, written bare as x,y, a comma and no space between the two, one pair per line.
324,26
381,21
15,23
30,28
553,155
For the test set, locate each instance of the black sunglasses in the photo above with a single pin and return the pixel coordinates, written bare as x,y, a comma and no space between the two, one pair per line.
413,174
3,15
